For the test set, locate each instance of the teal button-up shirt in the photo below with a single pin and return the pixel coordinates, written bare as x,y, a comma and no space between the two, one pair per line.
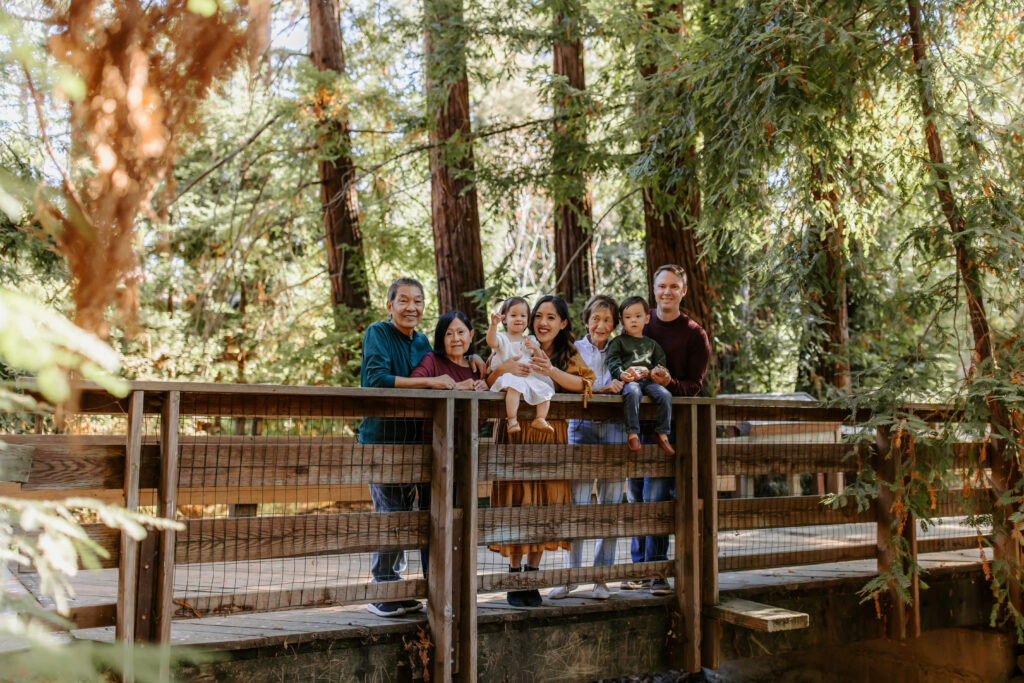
388,353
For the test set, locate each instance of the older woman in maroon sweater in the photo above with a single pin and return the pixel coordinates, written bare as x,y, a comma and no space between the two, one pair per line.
453,343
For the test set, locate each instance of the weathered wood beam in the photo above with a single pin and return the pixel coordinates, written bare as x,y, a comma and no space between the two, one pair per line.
757,616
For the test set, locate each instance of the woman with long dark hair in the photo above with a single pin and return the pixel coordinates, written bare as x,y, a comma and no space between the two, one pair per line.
550,324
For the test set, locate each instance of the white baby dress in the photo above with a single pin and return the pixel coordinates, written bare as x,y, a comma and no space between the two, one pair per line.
535,388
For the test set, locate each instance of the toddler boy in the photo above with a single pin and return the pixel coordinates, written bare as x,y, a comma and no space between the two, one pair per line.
631,357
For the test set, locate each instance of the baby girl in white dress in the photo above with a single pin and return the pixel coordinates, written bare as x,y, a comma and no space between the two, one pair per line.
535,389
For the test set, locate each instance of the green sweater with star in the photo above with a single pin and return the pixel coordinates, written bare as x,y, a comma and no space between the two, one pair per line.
625,352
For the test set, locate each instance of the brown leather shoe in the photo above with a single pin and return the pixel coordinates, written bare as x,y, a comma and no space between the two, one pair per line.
634,443
665,445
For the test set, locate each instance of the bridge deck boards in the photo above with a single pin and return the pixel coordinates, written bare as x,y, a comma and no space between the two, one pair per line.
267,628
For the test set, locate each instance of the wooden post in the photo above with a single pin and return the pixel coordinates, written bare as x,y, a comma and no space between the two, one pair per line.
466,460
167,492
687,566
901,622
127,577
707,451
1005,474
439,585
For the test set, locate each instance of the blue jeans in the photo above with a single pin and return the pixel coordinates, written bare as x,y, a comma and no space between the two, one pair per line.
631,394
649,490
608,490
389,565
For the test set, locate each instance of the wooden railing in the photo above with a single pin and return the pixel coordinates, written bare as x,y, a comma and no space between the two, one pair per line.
176,455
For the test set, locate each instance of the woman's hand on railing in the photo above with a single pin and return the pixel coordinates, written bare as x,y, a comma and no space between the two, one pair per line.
441,382
471,385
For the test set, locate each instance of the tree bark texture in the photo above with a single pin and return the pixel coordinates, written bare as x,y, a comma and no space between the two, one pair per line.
344,243
574,262
671,210
453,199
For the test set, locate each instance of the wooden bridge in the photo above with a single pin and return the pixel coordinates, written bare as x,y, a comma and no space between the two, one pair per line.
273,566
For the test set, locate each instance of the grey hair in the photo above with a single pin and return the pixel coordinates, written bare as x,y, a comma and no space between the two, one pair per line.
403,282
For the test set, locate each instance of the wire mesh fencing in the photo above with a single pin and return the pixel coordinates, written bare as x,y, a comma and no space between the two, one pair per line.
775,464
298,500
564,506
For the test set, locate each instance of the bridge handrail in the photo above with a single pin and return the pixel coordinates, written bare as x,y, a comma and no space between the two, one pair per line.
142,467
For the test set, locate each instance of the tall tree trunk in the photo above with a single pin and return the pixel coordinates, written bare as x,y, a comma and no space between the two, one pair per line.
671,210
343,241
833,360
966,264
453,202
1005,469
574,263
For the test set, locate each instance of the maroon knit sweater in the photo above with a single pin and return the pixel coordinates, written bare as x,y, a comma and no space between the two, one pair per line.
686,345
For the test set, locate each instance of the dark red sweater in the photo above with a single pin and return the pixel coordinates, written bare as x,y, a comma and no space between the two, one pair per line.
686,345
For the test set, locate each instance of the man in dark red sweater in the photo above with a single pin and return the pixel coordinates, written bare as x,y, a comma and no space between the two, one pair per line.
687,350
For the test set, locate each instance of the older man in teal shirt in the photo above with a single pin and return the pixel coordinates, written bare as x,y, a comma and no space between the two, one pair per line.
391,349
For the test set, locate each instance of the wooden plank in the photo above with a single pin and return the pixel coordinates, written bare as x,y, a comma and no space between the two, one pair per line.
795,558
545,578
466,461
570,406
326,406
190,606
440,612
949,543
888,468
168,505
798,411
146,589
710,644
503,525
260,538
73,462
785,511
258,461
109,540
558,461
128,566
687,532
757,616
15,461
115,496
750,458
93,616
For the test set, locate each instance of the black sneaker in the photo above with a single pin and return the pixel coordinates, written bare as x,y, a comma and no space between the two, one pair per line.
660,587
387,609
411,605
517,598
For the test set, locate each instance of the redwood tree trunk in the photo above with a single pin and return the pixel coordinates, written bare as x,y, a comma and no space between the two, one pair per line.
343,241
574,263
453,201
671,210
1005,469
672,239
834,359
